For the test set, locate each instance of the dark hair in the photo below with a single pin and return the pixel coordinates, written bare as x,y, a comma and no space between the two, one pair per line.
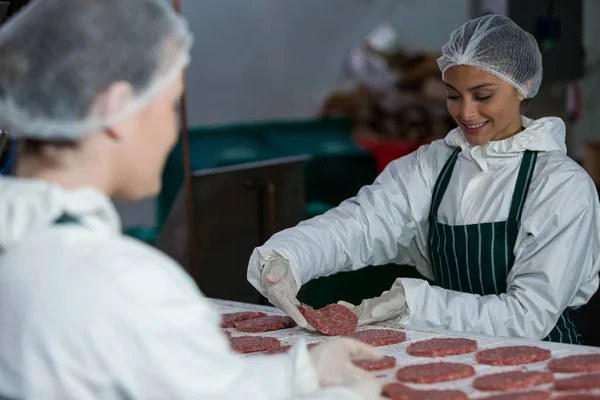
35,146
45,150
525,106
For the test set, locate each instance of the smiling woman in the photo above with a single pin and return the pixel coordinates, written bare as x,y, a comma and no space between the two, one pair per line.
496,214
484,106
490,66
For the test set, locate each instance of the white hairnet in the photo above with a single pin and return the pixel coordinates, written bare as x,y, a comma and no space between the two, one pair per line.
57,57
497,45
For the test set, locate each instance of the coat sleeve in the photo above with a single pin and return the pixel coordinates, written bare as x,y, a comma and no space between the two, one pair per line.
168,345
556,267
378,226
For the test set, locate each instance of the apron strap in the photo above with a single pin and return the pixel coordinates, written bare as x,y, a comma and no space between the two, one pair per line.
522,186
66,219
441,184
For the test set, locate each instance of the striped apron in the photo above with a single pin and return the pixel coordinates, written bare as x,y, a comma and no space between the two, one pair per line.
66,219
477,258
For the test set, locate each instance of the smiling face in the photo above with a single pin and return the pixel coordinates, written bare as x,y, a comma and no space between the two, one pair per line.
485,107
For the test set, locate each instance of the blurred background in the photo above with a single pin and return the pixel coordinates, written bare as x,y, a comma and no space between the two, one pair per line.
342,76
347,86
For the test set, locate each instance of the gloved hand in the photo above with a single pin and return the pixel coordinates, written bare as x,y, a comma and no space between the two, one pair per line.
277,279
332,360
389,305
367,389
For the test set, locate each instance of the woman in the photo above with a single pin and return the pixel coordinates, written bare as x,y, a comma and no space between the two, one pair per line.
496,213
91,89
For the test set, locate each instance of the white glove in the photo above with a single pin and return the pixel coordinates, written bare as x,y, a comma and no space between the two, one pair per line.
391,304
277,279
333,362
367,389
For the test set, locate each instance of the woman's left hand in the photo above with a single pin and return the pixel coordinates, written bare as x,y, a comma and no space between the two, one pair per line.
391,304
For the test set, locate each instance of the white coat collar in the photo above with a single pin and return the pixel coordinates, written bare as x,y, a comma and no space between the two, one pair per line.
28,206
544,134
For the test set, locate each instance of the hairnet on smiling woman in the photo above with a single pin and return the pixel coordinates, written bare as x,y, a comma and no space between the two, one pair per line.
51,76
497,45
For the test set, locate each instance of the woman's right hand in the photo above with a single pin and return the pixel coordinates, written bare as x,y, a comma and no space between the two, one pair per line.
279,283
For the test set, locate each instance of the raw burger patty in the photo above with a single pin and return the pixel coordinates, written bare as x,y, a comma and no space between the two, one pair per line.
441,347
581,382
252,344
534,395
513,355
332,320
386,362
379,337
279,350
581,363
512,380
398,391
229,320
286,348
579,396
265,324
434,372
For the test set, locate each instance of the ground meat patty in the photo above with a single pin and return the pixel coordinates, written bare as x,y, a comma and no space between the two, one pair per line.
434,372
286,348
279,350
580,363
513,355
379,337
386,362
512,380
332,320
398,391
579,396
441,347
229,320
265,324
252,344
533,395
581,382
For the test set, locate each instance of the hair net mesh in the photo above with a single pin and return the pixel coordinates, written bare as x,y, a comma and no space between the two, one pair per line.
58,56
497,45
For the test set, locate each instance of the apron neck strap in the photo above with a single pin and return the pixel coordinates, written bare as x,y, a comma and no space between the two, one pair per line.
522,186
66,218
441,184
524,179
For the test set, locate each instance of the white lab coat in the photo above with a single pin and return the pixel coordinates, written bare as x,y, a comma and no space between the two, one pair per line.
557,249
87,313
